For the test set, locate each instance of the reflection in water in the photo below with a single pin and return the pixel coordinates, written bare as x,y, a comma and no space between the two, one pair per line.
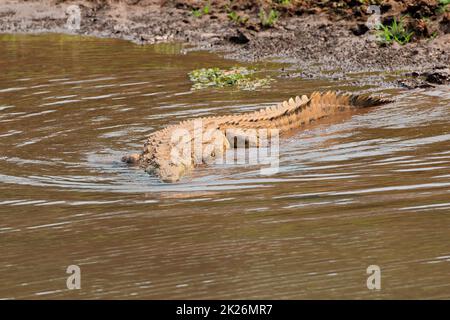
371,188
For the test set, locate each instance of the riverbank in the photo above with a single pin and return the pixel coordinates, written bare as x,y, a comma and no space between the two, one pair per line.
320,40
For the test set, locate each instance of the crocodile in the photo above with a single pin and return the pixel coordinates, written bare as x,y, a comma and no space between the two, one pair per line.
170,153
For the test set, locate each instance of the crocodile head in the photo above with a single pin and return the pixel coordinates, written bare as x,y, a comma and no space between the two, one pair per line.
179,159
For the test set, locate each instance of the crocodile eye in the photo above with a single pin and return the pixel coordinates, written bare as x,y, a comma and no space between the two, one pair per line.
213,154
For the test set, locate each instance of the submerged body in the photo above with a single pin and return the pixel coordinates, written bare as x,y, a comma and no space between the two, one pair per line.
171,152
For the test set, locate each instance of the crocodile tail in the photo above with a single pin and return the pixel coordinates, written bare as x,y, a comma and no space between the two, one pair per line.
341,102
322,105
365,101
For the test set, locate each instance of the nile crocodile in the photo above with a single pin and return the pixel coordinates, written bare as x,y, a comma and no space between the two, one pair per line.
165,154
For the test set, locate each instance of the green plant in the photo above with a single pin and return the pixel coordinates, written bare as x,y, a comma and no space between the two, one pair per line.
434,35
233,16
268,20
396,32
283,2
206,9
236,18
199,12
196,13
443,6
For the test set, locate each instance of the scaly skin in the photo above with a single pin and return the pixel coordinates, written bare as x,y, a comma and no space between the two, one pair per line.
170,153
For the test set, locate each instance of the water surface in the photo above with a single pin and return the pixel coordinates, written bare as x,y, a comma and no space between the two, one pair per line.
371,188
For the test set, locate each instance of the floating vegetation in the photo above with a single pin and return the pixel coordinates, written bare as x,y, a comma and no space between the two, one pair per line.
239,77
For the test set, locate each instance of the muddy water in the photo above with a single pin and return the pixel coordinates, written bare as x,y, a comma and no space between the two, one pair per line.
368,189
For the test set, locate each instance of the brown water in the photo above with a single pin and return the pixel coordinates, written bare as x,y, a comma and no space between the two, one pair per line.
373,188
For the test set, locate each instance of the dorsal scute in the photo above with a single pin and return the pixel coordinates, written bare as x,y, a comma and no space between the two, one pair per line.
285,108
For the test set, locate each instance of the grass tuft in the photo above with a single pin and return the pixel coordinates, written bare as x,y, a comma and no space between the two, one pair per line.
444,6
236,18
283,2
268,19
396,32
202,11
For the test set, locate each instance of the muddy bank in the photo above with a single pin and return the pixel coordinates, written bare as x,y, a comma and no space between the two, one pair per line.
329,40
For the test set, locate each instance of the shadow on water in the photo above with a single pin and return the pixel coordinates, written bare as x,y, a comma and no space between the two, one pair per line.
369,188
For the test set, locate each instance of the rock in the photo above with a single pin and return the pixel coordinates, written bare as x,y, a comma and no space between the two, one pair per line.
413,84
359,29
209,36
438,77
444,25
421,27
396,46
422,8
290,27
239,38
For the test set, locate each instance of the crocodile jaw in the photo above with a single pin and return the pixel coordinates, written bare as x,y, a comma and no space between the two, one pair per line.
167,172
